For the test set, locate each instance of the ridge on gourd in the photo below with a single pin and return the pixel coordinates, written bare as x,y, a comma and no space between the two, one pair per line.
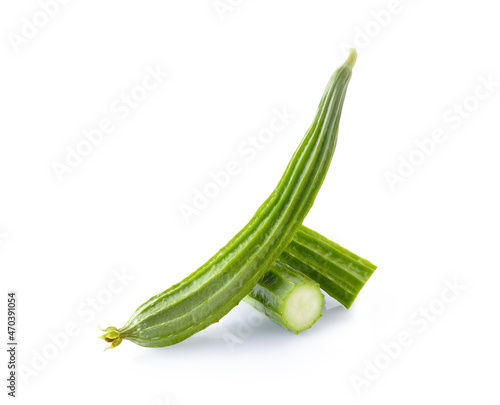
339,272
209,293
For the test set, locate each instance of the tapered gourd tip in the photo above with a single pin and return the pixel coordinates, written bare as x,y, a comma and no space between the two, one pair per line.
351,59
112,336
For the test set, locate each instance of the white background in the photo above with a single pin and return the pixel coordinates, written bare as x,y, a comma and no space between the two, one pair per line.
119,209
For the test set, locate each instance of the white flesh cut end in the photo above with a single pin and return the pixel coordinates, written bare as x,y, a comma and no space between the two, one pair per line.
302,307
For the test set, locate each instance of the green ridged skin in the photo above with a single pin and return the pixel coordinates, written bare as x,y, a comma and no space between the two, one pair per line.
209,293
340,273
287,297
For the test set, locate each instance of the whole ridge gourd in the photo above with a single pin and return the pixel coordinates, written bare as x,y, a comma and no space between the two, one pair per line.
209,293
